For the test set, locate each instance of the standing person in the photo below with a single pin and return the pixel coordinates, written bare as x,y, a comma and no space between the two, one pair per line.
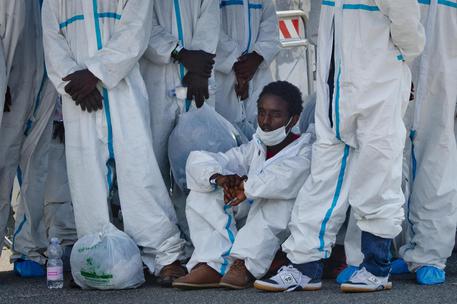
249,42
180,53
363,84
25,133
431,214
92,52
12,20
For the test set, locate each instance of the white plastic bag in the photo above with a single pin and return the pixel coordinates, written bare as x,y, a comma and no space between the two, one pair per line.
107,260
199,130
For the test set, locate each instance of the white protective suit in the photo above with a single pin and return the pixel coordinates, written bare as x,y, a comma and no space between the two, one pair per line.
246,26
12,20
196,26
358,159
59,215
108,38
25,134
431,214
271,189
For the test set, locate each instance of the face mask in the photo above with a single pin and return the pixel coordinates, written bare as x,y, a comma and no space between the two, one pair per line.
274,137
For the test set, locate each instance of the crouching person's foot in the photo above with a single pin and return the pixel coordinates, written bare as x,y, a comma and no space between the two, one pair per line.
288,278
170,273
364,281
201,276
238,277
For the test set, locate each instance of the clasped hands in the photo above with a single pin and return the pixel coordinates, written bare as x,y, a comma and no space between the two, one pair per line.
82,87
233,186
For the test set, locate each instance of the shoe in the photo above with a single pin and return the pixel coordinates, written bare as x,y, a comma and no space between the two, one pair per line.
238,277
170,273
430,275
288,278
364,281
346,274
29,269
201,276
399,266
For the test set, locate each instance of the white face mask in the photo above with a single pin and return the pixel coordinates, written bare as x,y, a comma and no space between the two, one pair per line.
274,137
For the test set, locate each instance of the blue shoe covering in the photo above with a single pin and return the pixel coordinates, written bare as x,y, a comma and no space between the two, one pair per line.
399,266
29,269
346,274
430,275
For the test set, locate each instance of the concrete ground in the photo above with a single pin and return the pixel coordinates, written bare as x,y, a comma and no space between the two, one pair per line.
15,290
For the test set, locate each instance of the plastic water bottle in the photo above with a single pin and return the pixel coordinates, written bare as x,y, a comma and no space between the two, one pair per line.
55,265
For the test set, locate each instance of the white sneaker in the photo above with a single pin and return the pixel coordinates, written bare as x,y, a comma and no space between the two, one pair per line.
364,281
288,278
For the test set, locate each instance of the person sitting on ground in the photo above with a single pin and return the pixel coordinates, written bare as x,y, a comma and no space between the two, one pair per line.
260,179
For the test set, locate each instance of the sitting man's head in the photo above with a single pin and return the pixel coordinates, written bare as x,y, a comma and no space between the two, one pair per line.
279,107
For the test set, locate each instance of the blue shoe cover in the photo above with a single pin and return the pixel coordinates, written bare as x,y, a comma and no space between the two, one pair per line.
430,275
29,269
399,266
346,274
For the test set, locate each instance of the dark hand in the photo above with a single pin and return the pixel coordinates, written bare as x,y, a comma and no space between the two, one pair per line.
242,89
59,131
197,88
197,62
81,84
247,65
235,196
92,102
8,101
230,184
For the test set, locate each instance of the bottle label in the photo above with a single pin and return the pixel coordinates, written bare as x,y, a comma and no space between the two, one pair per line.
55,273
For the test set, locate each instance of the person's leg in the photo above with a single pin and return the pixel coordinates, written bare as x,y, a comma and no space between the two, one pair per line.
376,196
88,175
148,214
353,250
267,221
432,207
319,212
12,137
213,230
30,240
59,214
257,242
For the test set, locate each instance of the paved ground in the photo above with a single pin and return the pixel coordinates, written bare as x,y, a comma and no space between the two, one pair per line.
33,291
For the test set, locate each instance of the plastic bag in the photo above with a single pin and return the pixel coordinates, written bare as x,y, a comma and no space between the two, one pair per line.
107,260
199,130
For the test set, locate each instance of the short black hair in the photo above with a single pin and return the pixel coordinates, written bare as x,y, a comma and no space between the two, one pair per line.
286,91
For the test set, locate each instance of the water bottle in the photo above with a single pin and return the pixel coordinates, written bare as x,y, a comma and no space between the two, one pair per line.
55,265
